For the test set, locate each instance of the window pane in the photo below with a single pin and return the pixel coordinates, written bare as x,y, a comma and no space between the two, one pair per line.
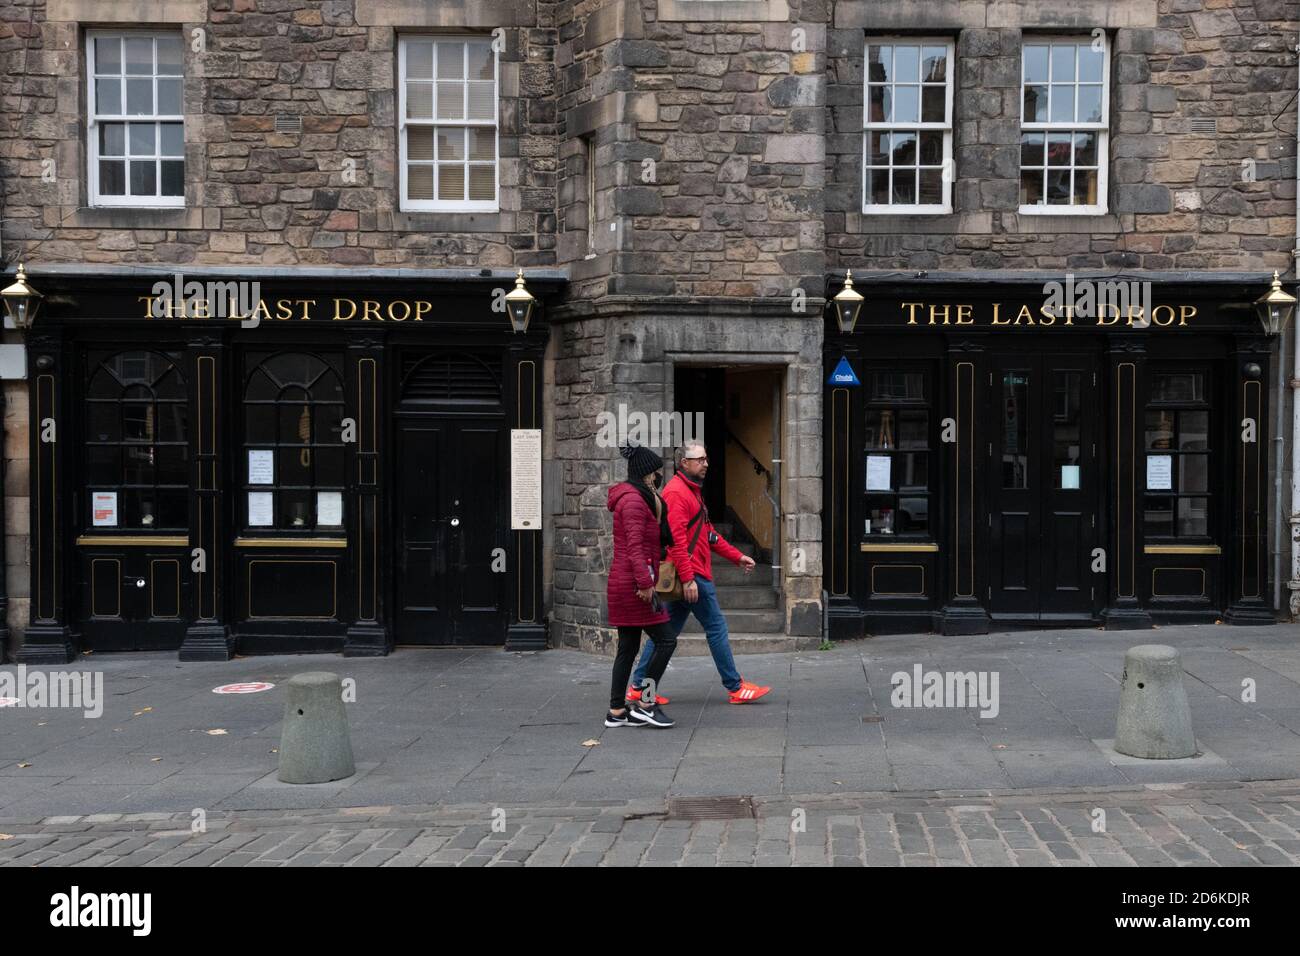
102,466
112,139
103,420
1015,429
1158,517
1090,64
419,101
141,138
913,515
483,144
913,428
451,182
419,60
294,466
173,466
1089,104
880,63
171,422
1193,473
144,178
1193,431
173,139
1065,427
482,101
907,64
931,193
878,187
1178,387
904,151
882,428
173,177
934,64
1160,429
1035,104
1085,149
139,55
419,182
451,101
933,104
139,97
907,104
1058,188
1193,516
259,425
878,97
1031,149
451,61
1062,62
451,143
912,471
1085,187
1062,104
295,509
108,55
483,183
112,177
896,386
879,147
419,143
329,467
1035,55
169,97
481,61
904,186
173,509
1058,149
931,148
1031,187
108,97
137,464
170,56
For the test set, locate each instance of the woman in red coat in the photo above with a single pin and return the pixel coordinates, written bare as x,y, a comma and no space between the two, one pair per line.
640,536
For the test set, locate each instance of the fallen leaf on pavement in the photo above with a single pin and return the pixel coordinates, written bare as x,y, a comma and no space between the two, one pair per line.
216,733
591,743
6,836
23,766
154,759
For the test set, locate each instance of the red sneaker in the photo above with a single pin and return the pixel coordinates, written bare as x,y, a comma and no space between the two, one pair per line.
634,695
747,693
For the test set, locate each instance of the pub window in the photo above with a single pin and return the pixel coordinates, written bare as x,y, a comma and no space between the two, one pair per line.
136,126
447,116
907,127
898,458
1176,503
1063,126
136,443
293,471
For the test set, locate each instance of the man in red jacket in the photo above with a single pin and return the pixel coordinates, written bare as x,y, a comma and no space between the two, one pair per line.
694,541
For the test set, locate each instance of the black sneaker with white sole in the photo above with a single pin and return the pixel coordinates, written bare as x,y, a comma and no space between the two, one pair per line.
623,720
651,716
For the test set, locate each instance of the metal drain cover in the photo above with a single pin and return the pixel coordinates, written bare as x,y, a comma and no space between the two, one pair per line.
711,808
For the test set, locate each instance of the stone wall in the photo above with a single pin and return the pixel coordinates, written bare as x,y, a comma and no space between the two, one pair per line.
1179,198
17,511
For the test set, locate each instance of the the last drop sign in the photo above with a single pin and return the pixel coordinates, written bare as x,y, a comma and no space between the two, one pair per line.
843,374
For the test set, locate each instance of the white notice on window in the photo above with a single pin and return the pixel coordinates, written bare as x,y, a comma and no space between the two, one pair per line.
104,506
1070,477
261,467
878,473
329,508
1159,472
525,479
261,511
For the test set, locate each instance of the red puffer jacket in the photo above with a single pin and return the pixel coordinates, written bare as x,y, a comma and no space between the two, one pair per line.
636,560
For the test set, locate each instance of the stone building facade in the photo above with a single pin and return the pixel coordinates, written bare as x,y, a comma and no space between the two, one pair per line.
688,174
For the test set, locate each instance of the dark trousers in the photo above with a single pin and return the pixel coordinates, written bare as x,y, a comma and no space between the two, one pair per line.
629,642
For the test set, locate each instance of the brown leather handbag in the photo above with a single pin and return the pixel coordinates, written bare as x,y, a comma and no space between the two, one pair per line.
669,586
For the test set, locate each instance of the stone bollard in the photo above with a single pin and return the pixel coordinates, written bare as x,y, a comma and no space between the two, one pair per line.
1154,721
315,746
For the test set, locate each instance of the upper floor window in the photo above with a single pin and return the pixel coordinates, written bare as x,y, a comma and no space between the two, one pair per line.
1063,126
907,127
136,124
447,131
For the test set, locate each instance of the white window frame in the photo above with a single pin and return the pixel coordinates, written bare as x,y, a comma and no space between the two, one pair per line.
94,118
1102,128
435,204
868,127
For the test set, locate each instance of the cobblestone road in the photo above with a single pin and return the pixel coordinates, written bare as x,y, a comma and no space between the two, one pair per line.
1205,824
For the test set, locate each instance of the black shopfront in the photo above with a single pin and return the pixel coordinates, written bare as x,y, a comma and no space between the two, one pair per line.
1005,459
330,473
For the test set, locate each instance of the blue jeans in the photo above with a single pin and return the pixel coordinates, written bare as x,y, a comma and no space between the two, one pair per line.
709,615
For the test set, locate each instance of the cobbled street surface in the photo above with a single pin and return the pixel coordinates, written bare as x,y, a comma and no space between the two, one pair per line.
449,742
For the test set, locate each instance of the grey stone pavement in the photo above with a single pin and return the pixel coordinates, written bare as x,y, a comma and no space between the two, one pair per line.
443,738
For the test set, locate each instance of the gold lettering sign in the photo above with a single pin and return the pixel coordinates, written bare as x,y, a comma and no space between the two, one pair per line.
398,310
1107,315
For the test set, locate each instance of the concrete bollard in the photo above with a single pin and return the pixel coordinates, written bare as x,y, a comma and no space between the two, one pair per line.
315,745
1154,720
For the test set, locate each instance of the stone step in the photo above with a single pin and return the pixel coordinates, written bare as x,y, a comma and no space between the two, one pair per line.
744,622
726,574
696,645
747,597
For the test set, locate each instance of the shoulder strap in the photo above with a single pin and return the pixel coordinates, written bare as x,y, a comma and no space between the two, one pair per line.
690,549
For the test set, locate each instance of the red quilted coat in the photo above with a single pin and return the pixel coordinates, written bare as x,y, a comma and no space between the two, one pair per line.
636,559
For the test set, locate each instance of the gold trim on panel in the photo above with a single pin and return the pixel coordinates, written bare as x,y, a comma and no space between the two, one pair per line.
1132,489
334,613
1155,593
1182,549
920,593
1259,429
836,395
42,402
970,483
153,589
872,546
94,611
134,540
291,542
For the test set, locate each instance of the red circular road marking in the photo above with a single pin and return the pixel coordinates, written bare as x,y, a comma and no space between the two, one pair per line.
251,687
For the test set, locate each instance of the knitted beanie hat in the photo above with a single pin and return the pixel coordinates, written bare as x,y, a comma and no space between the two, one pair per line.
640,461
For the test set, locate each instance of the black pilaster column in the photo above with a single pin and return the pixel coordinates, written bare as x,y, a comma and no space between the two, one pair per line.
368,635
48,638
527,628
964,467
208,637
845,618
1247,565
1126,361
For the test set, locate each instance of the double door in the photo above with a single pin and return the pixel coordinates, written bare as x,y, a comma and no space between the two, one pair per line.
1043,418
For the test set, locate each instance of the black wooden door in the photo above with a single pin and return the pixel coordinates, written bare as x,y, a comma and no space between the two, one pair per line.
450,576
1043,484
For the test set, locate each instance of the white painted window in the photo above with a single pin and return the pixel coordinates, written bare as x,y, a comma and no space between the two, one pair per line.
1064,122
136,123
907,126
447,124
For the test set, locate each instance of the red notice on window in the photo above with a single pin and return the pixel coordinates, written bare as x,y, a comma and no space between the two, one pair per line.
104,508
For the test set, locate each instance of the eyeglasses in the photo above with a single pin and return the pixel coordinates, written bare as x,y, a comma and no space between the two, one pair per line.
698,458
